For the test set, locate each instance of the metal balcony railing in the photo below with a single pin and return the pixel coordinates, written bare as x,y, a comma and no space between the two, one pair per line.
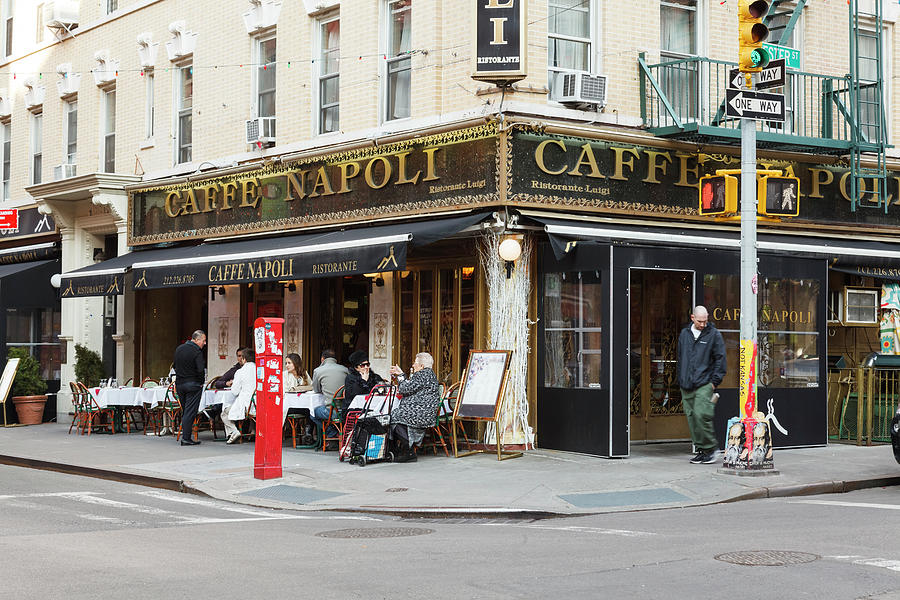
685,98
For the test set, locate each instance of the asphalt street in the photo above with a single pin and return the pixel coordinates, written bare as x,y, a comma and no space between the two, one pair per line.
70,537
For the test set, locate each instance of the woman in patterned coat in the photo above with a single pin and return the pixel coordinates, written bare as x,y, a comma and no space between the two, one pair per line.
418,406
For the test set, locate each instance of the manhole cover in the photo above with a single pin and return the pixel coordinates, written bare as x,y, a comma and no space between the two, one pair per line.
375,532
767,558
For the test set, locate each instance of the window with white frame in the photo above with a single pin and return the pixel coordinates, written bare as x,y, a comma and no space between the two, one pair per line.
184,94
870,104
8,31
111,5
71,111
6,135
37,134
777,22
329,74
860,306
149,100
109,131
265,77
399,64
39,21
569,35
678,24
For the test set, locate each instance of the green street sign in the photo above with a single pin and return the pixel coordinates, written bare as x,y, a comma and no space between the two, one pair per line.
791,57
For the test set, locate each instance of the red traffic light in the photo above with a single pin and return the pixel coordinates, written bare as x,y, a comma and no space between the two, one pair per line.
718,195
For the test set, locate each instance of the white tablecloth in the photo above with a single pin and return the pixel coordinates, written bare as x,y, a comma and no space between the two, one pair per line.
135,396
308,400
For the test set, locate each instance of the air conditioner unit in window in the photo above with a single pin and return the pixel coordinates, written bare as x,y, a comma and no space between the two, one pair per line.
579,88
261,130
61,13
63,171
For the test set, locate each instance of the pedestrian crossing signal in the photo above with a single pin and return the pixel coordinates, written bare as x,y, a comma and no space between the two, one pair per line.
779,196
718,195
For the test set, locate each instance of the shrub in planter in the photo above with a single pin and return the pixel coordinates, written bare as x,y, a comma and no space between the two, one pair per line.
28,387
88,366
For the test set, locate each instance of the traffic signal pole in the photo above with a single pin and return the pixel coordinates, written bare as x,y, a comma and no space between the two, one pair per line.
749,282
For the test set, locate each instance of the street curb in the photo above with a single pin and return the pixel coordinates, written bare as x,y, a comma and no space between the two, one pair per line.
175,485
812,489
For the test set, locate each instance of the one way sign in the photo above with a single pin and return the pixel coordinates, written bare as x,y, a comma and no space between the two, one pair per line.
754,105
773,75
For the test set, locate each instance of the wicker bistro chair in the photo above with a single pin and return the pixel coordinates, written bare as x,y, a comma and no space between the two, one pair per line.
249,419
445,416
435,435
171,409
91,413
76,406
334,418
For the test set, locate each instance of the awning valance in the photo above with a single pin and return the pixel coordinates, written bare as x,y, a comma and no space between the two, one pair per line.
329,254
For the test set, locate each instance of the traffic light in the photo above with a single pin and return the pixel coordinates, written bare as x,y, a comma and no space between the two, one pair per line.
718,195
779,196
752,32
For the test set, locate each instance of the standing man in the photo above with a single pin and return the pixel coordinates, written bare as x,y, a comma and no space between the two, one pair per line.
328,378
189,367
701,368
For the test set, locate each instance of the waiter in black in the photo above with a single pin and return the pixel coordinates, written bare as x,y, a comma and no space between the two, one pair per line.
189,372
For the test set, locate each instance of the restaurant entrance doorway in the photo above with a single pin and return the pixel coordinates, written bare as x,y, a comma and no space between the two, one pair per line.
660,305
338,316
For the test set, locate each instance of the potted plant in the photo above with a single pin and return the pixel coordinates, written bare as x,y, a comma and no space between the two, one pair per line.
28,388
88,366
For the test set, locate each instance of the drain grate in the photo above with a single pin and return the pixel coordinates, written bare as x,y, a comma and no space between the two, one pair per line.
767,558
291,493
375,532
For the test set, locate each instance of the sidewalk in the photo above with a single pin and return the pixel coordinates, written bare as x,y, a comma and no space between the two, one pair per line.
542,483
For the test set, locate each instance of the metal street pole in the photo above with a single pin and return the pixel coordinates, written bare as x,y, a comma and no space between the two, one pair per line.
748,269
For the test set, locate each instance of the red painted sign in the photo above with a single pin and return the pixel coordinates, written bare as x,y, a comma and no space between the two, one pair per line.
269,346
9,218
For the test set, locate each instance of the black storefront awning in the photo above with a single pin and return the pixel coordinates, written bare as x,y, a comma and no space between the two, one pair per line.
332,254
847,254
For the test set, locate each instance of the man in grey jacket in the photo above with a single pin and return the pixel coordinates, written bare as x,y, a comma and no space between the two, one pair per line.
328,378
701,368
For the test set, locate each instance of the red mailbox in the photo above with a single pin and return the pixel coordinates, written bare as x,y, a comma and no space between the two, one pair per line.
269,344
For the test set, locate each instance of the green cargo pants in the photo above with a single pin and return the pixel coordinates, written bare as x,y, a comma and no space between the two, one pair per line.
699,409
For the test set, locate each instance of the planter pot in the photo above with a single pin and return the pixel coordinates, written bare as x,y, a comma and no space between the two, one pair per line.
30,409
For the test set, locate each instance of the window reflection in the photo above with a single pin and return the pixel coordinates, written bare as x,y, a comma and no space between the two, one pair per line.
573,306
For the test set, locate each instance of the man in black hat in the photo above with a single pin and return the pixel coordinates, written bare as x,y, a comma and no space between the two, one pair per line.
360,380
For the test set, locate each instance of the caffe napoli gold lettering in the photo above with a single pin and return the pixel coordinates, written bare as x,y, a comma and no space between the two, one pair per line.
767,315
376,173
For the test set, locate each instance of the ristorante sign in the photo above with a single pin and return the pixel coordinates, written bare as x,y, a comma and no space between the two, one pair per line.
434,173
611,177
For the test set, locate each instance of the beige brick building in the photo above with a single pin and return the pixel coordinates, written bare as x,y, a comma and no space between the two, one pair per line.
108,100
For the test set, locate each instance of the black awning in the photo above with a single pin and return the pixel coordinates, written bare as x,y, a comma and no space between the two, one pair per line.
843,253
19,254
323,254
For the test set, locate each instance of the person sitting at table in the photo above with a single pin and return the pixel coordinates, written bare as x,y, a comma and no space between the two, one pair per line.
227,378
242,389
295,379
420,397
328,378
360,380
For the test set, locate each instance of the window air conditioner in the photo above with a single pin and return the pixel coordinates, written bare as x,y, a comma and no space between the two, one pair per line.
63,171
261,129
579,88
61,13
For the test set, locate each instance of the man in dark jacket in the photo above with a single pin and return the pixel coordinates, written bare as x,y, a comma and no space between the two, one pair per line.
189,373
701,368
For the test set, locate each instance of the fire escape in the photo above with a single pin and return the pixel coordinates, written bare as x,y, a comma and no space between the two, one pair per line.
842,116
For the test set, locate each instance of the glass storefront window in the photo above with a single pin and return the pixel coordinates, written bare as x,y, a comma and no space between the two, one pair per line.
36,330
787,334
573,305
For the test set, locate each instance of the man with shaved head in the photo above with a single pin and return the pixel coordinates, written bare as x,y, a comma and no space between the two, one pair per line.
701,368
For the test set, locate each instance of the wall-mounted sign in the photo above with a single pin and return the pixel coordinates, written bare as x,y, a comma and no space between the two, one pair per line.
28,222
500,40
411,177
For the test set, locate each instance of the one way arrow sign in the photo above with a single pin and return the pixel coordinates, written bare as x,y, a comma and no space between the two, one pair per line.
773,75
754,105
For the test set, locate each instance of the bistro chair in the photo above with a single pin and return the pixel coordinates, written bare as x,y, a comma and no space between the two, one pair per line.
445,415
296,421
249,418
92,412
435,432
77,411
171,410
334,418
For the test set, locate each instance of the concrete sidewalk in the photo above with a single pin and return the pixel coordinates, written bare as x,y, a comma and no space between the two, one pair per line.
543,482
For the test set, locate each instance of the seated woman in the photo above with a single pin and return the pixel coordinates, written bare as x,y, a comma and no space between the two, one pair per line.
243,387
295,380
360,380
418,406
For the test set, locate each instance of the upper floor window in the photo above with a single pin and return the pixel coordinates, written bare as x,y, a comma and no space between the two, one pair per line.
39,21
111,5
37,134
183,107
679,39
6,137
71,131
149,100
109,131
399,63
8,32
568,36
871,103
329,74
265,78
